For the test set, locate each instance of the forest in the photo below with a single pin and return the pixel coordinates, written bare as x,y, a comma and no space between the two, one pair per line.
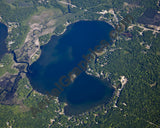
137,57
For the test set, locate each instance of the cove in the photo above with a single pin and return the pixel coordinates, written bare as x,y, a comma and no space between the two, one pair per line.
61,55
3,36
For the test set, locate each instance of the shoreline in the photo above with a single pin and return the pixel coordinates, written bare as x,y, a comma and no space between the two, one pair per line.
60,35
102,22
65,29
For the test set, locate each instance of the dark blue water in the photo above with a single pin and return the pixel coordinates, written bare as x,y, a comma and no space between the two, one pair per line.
3,36
62,54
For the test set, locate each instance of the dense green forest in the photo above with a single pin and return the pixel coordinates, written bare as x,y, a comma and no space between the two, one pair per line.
140,95
137,57
142,68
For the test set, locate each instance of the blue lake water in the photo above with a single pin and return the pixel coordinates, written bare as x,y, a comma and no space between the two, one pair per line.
3,36
61,55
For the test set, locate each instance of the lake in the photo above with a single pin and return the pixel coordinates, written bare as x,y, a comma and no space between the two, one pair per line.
3,36
61,55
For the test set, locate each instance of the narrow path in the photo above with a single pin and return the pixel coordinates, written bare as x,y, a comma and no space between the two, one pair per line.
67,3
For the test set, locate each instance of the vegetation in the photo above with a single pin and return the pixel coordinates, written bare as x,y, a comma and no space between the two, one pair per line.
24,88
18,36
59,29
11,13
138,64
6,65
44,39
136,57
